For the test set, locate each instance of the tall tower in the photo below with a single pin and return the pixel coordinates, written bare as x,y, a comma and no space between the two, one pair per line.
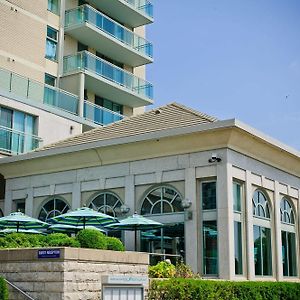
67,66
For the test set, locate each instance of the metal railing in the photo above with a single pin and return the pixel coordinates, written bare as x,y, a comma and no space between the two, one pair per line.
87,61
15,142
100,115
86,13
36,91
144,6
18,289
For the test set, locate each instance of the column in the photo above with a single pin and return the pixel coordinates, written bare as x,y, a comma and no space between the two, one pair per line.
130,202
29,203
7,199
225,221
81,94
297,219
277,234
76,195
191,227
61,40
249,227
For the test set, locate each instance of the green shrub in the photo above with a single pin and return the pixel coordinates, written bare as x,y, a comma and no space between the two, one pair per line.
3,289
92,238
60,240
162,270
195,289
114,244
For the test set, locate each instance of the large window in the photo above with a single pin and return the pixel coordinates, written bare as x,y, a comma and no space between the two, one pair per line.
288,239
107,203
162,200
53,208
209,195
210,248
51,43
169,239
16,131
238,248
238,227
262,234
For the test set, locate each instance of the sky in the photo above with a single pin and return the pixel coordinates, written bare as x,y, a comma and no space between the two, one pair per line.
230,59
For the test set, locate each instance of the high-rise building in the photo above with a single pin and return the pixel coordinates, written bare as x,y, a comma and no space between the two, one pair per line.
67,66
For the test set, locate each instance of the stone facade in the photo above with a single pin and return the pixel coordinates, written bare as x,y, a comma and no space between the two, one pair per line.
75,275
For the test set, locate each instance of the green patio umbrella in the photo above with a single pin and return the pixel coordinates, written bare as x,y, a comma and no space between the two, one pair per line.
83,216
71,228
18,220
135,223
12,230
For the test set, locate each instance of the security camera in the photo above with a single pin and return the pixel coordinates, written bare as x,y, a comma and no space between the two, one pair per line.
214,158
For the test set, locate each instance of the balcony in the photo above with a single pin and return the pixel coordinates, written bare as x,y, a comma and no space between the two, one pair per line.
38,92
95,29
100,115
17,142
134,13
109,81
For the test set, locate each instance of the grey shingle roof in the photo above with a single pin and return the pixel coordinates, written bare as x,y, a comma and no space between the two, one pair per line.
170,116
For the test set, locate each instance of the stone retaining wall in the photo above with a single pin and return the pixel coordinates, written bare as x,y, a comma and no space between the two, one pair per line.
75,275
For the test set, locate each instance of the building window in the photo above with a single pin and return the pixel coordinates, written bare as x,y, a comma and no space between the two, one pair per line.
262,234
53,208
16,131
237,194
169,239
286,212
162,200
209,199
262,250
288,239
50,80
53,6
51,43
238,248
260,205
107,203
19,205
210,248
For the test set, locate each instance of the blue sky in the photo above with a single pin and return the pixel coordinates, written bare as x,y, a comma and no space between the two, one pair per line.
230,58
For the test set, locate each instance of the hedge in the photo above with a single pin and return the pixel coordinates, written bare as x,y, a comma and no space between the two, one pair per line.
87,238
3,290
195,289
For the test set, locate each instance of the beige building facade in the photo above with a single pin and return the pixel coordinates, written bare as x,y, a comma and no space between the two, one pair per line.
228,196
68,66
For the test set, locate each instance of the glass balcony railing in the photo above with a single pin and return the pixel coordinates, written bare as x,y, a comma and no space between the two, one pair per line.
17,142
100,115
88,14
144,6
87,61
36,91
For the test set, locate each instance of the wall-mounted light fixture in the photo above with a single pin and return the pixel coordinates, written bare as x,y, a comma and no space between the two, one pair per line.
186,204
124,209
214,158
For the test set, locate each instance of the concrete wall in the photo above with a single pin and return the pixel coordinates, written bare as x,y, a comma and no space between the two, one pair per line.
75,275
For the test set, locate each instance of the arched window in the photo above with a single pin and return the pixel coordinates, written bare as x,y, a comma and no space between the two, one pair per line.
170,238
1,213
288,238
286,212
107,203
53,208
262,234
162,200
260,205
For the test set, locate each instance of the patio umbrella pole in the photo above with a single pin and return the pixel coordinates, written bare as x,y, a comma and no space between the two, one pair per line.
135,239
18,225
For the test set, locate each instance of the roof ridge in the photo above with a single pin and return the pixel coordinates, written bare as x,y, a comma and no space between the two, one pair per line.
195,112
